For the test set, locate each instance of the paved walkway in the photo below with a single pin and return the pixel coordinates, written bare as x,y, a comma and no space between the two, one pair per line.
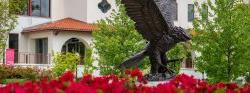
2,85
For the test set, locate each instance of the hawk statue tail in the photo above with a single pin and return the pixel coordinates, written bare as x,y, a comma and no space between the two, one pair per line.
134,61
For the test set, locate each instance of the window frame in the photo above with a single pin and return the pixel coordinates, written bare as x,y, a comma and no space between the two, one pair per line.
29,10
176,10
16,48
188,16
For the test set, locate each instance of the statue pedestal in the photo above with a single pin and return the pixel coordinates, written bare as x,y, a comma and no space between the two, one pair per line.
155,83
158,77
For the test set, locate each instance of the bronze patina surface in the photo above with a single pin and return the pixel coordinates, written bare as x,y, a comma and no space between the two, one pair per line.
154,21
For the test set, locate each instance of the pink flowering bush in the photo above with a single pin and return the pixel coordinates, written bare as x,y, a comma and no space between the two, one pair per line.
115,84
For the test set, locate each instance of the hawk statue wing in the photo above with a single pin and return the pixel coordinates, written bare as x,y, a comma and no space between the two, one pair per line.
153,18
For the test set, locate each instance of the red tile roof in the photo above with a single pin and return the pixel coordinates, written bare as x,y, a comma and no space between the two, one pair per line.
67,24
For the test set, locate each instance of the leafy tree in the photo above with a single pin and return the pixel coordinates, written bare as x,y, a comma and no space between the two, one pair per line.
221,35
181,51
8,11
116,40
88,62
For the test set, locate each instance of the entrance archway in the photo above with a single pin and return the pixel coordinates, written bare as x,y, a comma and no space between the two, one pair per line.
74,45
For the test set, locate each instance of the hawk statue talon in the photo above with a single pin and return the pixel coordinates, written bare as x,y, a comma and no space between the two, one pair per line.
154,21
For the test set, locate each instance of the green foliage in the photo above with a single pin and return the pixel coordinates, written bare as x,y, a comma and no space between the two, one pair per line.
179,52
65,61
116,40
222,37
247,77
8,72
19,6
7,81
7,21
88,62
16,74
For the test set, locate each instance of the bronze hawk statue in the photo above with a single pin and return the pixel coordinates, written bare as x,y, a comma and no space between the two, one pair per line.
154,21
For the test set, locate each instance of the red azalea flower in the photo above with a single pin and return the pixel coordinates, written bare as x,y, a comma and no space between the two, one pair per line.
67,76
232,86
113,84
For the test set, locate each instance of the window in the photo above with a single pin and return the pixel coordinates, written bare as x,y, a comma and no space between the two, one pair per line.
13,44
104,6
204,12
176,12
41,50
190,12
45,8
188,63
37,8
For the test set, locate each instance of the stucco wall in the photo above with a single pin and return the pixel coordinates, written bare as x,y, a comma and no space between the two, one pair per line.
84,10
32,36
76,9
56,41
23,22
183,13
94,13
27,21
59,39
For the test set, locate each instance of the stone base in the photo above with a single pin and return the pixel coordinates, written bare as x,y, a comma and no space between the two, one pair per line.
155,83
158,76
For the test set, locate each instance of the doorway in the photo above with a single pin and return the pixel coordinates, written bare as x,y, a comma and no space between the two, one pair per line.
13,44
41,51
74,45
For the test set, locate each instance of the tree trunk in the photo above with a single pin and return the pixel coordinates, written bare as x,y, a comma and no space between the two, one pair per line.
229,67
3,55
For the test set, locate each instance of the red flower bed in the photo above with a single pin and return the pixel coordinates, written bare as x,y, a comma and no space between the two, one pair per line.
114,84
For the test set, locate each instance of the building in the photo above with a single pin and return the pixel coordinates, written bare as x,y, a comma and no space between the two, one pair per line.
185,16
50,26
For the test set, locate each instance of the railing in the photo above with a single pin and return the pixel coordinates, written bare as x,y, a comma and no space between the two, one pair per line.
37,66
33,58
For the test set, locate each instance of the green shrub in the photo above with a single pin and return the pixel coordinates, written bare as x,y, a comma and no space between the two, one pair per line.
65,61
27,72
10,72
6,81
19,74
48,74
3,72
88,62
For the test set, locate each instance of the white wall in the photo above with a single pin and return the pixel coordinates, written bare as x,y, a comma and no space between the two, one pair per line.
57,9
27,21
32,36
84,10
24,22
76,9
59,39
94,13
56,41
183,13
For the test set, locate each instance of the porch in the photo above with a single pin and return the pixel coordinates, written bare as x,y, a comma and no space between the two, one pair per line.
33,58
35,45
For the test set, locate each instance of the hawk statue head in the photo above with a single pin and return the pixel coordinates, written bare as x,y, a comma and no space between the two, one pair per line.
179,34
